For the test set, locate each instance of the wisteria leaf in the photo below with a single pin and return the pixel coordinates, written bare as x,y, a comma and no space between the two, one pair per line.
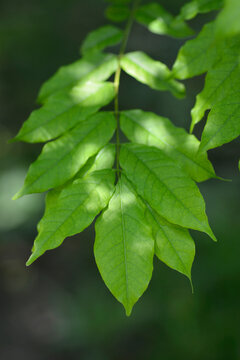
195,7
95,68
228,21
167,189
124,246
150,129
196,56
173,244
160,21
152,73
101,38
223,124
61,159
222,81
72,210
65,110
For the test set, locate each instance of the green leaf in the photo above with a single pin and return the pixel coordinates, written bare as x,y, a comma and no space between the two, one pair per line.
223,124
166,188
195,7
98,67
197,55
160,21
101,38
61,159
223,79
228,21
65,110
149,129
124,247
150,72
71,211
117,13
173,244
103,160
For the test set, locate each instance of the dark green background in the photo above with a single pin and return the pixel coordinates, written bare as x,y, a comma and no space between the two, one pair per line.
59,308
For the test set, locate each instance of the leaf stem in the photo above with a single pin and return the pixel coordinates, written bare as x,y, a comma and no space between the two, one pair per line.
117,80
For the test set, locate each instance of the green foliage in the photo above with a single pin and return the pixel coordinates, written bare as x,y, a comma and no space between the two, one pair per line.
144,191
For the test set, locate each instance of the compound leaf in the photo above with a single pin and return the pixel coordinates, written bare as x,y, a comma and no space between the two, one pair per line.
167,189
101,38
64,110
150,72
124,246
173,244
96,68
72,210
160,21
150,129
61,159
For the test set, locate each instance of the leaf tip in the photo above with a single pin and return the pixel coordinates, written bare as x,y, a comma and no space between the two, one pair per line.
18,195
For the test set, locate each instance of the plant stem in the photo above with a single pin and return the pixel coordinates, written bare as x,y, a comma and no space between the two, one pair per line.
117,80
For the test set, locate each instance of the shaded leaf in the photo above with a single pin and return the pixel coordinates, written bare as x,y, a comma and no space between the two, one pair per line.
223,124
196,56
64,110
124,247
150,72
149,129
223,80
160,21
117,13
173,244
166,188
61,159
71,211
101,38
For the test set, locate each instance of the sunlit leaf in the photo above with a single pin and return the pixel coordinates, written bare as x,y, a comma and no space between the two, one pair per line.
228,22
149,129
167,189
173,244
197,55
72,210
64,110
124,246
61,159
98,67
150,72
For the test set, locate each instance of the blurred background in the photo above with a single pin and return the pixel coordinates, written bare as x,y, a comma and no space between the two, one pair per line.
59,308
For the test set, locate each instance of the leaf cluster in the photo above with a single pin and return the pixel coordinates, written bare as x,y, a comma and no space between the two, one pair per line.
143,193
